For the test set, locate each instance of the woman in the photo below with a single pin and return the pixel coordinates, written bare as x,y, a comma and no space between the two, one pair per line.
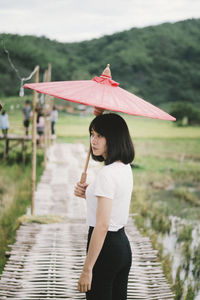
108,261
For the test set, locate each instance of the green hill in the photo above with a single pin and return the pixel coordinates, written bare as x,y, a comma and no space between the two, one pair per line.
159,63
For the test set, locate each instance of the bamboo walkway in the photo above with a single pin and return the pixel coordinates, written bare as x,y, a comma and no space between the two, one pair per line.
46,260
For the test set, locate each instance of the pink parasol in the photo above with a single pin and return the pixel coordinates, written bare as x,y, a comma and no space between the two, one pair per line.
102,93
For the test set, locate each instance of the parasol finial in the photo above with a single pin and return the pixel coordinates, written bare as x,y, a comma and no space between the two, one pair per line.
107,71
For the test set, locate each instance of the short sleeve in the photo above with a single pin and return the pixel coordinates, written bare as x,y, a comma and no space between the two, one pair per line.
104,186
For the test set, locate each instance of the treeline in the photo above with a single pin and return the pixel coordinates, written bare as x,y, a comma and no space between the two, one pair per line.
159,63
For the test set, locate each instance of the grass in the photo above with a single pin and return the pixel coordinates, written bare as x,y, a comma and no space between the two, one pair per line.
15,184
167,182
45,219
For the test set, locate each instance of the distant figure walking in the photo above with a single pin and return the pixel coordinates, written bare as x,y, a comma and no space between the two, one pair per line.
40,127
4,123
54,118
27,111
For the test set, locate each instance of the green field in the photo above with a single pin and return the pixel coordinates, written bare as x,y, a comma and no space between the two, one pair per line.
166,174
70,126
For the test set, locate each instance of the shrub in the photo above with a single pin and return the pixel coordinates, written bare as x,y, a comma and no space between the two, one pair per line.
185,114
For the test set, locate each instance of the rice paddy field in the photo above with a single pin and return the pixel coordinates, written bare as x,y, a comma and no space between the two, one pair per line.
166,196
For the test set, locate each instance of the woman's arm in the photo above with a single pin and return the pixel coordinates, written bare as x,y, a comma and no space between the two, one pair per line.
103,213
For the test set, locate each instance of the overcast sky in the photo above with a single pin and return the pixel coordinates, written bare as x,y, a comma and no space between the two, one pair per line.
78,20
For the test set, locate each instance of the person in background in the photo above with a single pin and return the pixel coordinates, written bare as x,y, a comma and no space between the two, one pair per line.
54,118
27,112
4,123
40,126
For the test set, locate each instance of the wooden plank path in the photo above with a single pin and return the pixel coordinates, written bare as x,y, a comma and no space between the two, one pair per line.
46,260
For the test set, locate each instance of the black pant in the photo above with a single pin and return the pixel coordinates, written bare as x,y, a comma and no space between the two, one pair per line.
52,127
110,272
26,125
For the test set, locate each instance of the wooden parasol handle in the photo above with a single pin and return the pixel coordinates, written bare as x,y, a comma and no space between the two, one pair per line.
97,111
84,174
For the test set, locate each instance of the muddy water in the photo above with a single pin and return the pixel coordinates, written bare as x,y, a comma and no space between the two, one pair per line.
172,247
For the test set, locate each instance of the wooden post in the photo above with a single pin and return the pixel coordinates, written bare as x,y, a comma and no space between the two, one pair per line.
45,123
6,148
34,146
50,104
47,133
23,151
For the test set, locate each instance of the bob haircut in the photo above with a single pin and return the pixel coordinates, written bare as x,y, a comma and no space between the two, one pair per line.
118,140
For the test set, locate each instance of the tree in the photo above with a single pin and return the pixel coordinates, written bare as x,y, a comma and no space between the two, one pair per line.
185,114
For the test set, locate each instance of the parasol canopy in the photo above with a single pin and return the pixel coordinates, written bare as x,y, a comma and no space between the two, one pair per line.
101,92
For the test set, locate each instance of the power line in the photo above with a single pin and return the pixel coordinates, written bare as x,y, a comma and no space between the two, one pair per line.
22,79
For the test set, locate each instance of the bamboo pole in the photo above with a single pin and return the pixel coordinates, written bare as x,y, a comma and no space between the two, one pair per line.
51,107
47,128
34,146
45,124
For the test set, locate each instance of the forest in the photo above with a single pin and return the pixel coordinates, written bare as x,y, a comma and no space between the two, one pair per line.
158,63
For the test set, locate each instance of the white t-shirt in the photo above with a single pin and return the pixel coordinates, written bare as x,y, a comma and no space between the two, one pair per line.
54,115
114,181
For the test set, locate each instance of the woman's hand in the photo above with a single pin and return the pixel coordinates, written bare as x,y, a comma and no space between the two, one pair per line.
85,280
80,189
98,111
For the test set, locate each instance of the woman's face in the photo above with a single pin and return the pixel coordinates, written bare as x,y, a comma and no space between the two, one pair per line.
98,144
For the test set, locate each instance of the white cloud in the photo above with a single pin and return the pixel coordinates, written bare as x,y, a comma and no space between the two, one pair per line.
75,20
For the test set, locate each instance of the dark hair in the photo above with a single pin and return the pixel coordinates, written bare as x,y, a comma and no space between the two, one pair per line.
28,102
118,140
3,112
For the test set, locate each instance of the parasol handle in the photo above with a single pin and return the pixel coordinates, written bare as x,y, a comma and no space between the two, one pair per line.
97,111
84,174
